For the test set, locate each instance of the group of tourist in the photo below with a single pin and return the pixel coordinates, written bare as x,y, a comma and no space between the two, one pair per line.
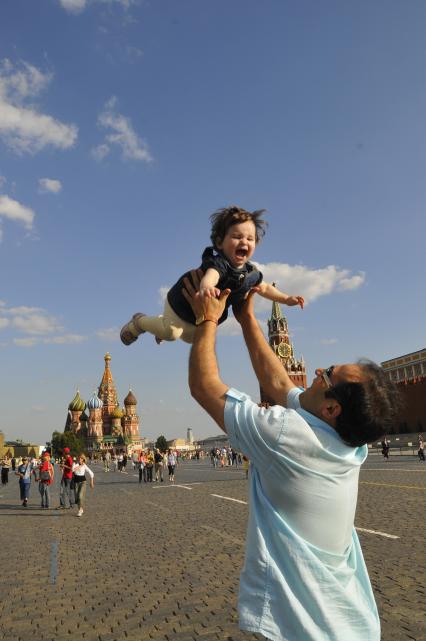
225,457
152,463
42,471
385,445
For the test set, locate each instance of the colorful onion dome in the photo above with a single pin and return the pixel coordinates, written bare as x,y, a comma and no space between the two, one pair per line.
117,413
130,399
94,402
77,404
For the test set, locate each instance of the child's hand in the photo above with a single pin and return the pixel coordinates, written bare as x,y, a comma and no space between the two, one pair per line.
209,292
295,300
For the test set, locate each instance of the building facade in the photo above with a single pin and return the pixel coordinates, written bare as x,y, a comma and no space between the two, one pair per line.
283,348
10,449
408,372
101,422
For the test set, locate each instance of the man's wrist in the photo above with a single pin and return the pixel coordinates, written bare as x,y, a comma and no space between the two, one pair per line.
203,318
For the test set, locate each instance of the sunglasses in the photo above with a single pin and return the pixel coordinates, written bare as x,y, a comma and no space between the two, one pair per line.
326,375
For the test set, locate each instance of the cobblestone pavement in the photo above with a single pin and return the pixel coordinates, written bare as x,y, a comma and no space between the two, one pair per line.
155,561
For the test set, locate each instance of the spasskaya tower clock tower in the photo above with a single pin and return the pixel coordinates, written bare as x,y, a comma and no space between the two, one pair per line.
282,346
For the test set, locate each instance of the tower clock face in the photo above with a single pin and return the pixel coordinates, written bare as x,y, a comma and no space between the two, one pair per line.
284,350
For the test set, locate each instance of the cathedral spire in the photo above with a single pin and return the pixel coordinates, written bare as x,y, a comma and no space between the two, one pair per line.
107,392
276,309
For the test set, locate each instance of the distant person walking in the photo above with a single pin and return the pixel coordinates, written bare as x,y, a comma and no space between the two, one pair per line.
80,469
385,448
158,460
421,450
5,467
107,460
171,464
25,471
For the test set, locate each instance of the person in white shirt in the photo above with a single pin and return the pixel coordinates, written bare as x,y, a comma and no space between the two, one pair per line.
80,469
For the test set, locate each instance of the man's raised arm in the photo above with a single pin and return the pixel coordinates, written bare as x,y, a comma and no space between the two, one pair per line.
204,380
269,370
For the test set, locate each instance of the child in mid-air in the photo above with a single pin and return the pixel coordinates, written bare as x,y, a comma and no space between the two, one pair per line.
226,265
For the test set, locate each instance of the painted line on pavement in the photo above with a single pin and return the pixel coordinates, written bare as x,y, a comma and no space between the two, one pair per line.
163,487
404,487
54,561
229,498
388,536
391,469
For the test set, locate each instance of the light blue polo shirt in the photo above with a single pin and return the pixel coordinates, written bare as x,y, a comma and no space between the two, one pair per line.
304,576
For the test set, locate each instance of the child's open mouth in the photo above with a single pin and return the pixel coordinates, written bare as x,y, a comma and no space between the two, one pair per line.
241,253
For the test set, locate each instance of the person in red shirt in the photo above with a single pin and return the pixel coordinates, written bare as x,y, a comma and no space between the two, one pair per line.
65,490
45,476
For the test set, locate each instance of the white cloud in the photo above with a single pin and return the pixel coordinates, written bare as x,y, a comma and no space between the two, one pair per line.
66,339
23,309
121,134
109,334
100,152
22,127
42,327
50,185
25,342
36,323
73,6
230,327
76,6
134,53
163,294
310,283
13,210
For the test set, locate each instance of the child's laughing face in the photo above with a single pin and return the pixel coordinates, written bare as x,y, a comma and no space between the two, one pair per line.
239,243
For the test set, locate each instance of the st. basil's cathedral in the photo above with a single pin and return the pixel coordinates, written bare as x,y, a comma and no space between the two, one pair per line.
100,422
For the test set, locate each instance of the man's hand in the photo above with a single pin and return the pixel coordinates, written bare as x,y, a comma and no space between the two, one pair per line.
204,307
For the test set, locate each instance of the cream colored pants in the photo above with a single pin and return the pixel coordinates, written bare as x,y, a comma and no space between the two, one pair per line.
168,326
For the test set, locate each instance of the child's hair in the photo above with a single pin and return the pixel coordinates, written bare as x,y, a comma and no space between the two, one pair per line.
225,218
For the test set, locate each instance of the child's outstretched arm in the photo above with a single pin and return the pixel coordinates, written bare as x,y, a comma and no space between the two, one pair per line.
272,293
208,284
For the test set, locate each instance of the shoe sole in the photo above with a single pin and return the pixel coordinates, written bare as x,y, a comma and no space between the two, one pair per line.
126,336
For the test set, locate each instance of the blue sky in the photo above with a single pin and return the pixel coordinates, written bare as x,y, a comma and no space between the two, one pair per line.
124,124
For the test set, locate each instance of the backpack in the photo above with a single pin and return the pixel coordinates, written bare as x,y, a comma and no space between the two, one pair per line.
45,474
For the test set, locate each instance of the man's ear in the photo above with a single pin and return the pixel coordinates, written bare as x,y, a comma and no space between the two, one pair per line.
330,410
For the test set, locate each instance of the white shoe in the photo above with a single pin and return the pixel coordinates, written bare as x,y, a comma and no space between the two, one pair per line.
80,512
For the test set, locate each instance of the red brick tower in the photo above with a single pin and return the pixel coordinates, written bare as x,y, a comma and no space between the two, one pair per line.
282,346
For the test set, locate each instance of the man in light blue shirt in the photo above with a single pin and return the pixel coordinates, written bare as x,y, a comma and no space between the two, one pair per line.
304,576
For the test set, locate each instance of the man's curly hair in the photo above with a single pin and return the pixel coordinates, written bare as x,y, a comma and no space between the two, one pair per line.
223,219
369,409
